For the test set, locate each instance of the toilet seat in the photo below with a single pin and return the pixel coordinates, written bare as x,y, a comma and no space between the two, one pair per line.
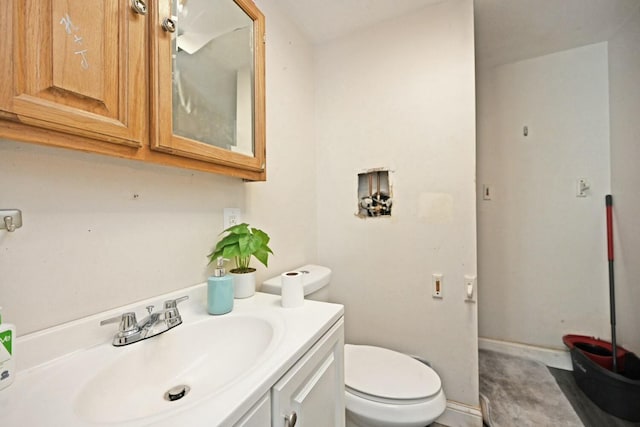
385,388
386,376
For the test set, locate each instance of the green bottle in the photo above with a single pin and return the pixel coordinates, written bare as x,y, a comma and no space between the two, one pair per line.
7,364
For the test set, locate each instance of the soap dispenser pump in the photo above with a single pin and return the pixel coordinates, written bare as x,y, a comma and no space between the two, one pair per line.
220,290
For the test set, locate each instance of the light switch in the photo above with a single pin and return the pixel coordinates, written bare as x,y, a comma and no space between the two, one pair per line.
469,288
487,192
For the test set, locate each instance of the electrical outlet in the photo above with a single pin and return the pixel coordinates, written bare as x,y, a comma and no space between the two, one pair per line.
436,280
232,216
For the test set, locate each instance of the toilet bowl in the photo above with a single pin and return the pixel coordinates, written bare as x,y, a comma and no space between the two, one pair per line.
383,388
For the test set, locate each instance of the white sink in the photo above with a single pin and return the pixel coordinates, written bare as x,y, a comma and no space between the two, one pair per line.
207,357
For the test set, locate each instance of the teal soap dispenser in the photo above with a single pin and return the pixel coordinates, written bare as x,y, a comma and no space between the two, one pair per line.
220,290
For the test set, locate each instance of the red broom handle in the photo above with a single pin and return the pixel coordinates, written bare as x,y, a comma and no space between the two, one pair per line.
609,202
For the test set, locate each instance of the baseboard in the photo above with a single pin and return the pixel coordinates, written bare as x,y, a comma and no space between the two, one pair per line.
554,358
460,415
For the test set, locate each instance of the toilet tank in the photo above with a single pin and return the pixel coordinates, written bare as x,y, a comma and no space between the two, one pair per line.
315,279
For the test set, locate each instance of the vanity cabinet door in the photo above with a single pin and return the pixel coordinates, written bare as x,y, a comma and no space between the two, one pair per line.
313,389
258,416
77,67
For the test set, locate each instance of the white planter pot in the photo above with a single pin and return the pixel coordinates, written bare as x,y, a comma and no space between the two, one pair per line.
244,285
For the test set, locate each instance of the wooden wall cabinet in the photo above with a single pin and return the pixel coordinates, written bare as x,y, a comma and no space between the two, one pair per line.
97,76
77,67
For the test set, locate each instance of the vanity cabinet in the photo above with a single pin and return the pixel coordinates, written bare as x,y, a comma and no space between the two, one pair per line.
109,77
312,391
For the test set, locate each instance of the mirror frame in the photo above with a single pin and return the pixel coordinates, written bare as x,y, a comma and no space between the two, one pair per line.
162,137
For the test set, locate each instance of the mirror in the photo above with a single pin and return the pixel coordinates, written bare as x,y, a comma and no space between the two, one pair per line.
213,74
208,80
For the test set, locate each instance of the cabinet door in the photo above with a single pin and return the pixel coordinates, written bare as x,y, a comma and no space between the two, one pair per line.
207,95
258,416
78,67
313,389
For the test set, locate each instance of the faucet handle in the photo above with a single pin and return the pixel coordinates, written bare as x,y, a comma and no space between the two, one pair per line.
171,314
172,303
128,322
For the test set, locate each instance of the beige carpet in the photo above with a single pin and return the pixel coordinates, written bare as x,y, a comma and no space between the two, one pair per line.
521,392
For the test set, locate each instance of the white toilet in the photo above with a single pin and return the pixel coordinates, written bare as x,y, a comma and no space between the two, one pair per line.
383,388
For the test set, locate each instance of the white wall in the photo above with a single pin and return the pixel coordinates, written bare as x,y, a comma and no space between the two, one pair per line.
287,200
542,250
624,69
400,95
89,244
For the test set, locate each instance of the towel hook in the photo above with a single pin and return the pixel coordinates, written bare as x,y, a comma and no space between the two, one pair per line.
8,223
11,219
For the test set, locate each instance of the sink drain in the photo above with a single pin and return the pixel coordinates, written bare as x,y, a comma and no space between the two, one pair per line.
176,393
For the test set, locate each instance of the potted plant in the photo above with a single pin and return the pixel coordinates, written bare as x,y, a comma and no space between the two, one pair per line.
241,243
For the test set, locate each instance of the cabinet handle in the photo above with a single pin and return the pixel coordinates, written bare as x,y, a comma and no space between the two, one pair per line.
291,419
169,25
139,7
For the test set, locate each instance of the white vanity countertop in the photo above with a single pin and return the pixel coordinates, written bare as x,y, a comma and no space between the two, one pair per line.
49,382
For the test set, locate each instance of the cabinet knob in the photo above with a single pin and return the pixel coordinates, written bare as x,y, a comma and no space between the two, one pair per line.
139,7
291,419
169,25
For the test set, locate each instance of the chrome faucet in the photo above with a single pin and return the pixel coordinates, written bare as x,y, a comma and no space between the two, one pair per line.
130,330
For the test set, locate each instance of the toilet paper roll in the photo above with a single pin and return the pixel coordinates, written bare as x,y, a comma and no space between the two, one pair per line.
292,289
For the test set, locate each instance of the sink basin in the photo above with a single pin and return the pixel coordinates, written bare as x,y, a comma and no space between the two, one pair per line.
206,357
70,375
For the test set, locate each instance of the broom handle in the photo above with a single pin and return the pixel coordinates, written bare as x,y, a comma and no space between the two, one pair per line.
612,294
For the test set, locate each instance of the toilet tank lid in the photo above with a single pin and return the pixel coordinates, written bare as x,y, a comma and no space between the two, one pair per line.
384,373
314,277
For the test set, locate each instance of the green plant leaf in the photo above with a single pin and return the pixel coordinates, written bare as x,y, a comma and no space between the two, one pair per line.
238,229
264,237
231,251
228,240
244,245
262,255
